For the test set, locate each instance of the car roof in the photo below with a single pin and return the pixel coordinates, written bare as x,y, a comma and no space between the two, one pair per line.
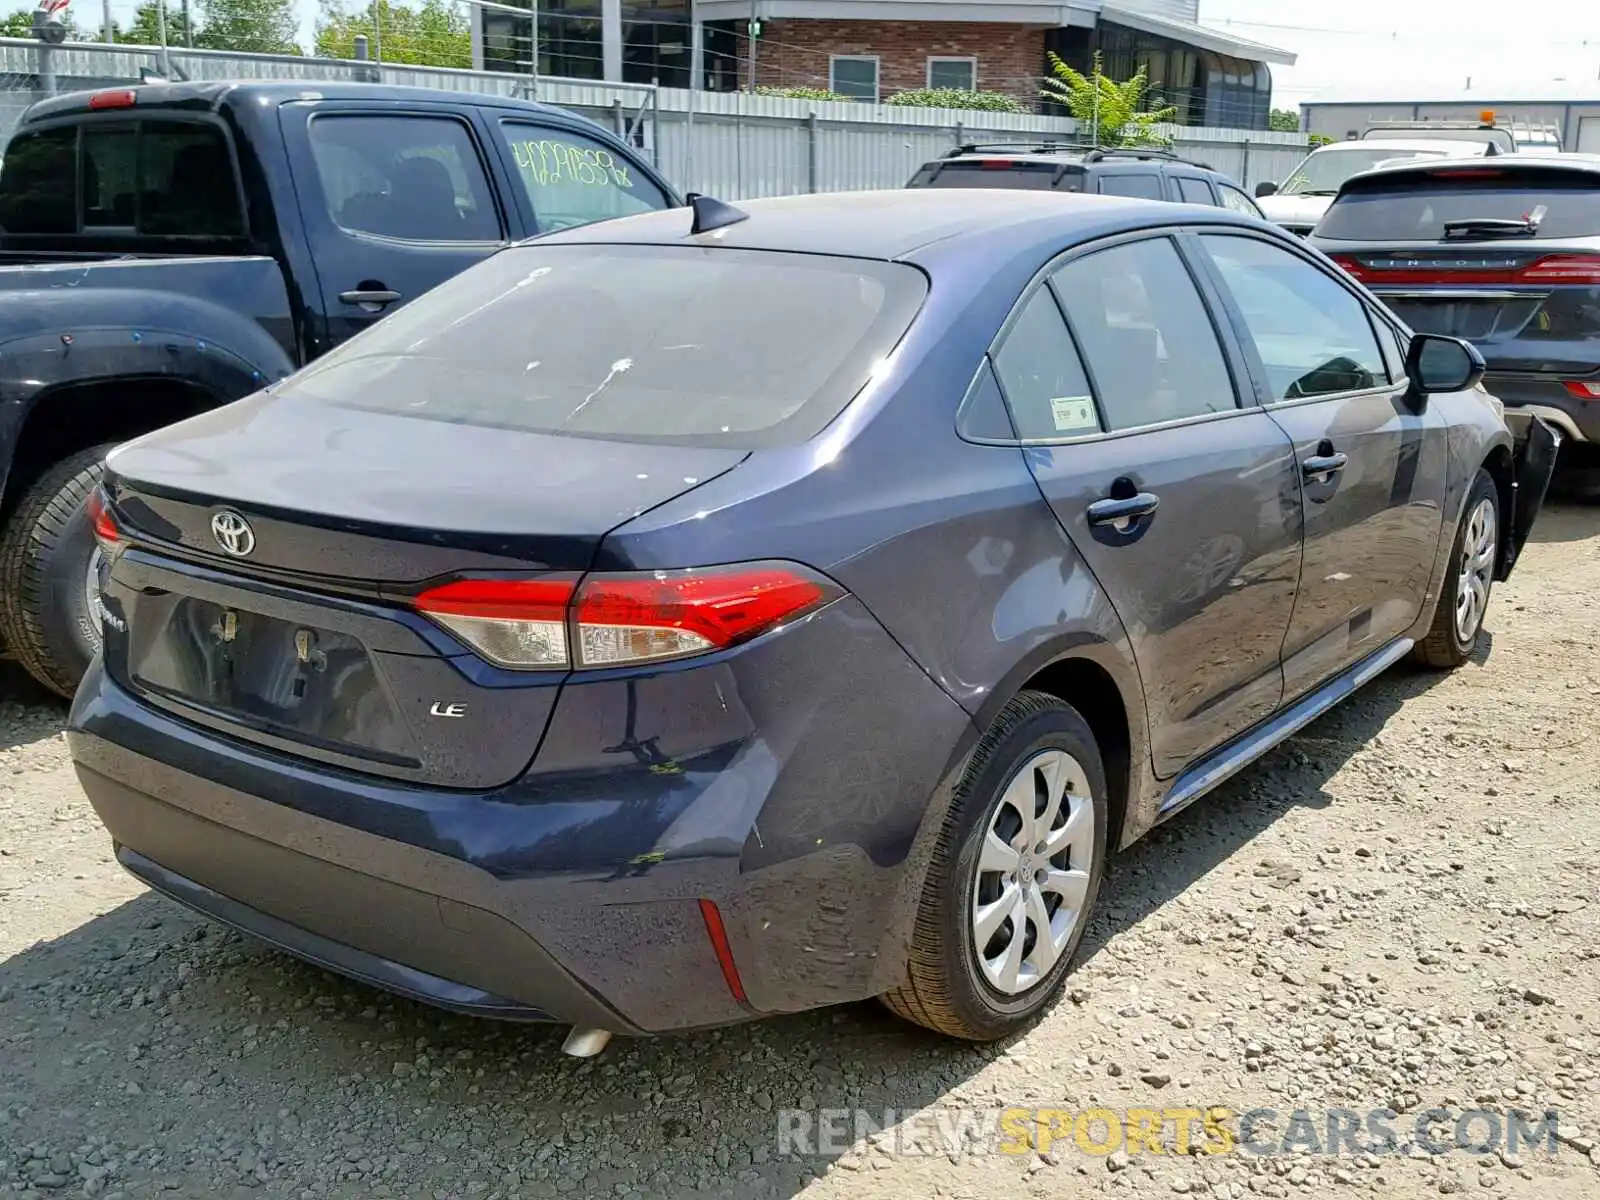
1067,152
216,94
893,224
1578,164
1448,145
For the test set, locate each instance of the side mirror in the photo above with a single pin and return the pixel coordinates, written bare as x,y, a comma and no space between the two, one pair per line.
1266,188
1436,363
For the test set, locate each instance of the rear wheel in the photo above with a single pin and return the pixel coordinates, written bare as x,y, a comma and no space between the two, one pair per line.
1464,599
1014,876
49,574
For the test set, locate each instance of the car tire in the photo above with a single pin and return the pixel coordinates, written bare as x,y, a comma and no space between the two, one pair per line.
1464,597
48,619
1038,750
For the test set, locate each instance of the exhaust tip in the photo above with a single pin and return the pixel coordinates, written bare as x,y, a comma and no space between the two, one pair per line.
585,1043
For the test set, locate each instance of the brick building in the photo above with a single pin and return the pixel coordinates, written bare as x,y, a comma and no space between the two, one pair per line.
871,49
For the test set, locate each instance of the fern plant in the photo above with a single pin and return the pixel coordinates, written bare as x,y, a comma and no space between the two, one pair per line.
1112,113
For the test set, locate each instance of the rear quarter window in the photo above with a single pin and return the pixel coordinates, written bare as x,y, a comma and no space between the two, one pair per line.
721,347
571,179
1415,206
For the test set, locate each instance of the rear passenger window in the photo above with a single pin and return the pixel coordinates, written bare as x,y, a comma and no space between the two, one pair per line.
1149,341
1195,191
408,177
1312,335
147,178
38,185
1145,186
1043,380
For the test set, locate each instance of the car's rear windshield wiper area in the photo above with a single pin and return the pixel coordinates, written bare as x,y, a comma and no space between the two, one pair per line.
1491,227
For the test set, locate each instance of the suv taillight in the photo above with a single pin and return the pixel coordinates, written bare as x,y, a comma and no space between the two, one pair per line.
106,530
1563,268
613,620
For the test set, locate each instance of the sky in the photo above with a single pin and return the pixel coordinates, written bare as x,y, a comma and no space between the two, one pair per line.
1355,46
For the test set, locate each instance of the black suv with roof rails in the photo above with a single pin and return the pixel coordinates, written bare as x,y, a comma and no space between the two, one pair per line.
1137,171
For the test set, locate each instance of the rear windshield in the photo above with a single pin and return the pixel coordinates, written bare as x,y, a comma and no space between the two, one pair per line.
996,173
706,347
1416,206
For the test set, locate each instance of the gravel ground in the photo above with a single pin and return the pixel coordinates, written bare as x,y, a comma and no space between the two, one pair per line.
1400,908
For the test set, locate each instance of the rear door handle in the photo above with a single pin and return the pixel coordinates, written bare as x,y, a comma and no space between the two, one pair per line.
374,296
1324,466
1124,512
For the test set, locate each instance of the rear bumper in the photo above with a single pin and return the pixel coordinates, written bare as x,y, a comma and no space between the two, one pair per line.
797,784
1525,398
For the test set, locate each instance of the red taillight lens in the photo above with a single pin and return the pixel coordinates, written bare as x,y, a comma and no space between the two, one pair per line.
622,619
1584,389
670,614
518,623
106,530
120,98
1563,268
1351,265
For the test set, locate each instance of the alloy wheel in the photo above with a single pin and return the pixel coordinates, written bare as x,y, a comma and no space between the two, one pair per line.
1478,547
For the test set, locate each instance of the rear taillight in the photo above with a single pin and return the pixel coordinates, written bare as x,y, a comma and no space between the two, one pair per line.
106,530
1351,265
613,620
519,623
1583,389
1563,268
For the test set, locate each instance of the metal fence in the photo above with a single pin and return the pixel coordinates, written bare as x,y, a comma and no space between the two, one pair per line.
729,144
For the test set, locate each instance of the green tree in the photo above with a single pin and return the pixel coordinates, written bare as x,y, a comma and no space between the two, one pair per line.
253,26
1112,113
1284,120
957,98
20,25
438,34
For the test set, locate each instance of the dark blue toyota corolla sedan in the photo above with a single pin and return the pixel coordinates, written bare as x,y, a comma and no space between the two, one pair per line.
717,613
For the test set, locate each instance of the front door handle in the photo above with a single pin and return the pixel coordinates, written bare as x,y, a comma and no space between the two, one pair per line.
1123,513
1322,467
376,297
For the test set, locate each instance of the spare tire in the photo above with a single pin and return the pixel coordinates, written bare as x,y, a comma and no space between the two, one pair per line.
49,574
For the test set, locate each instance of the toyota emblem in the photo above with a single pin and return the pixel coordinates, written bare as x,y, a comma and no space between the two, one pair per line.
233,533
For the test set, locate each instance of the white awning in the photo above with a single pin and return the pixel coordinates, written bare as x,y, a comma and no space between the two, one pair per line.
1197,35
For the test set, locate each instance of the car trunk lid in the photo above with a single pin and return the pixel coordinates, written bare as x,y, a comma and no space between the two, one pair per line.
275,550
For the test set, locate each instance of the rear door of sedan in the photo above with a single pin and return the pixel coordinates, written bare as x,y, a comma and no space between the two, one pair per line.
1372,460
1183,501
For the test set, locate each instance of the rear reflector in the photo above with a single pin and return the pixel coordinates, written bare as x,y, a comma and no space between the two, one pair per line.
1584,389
719,943
105,527
621,619
120,98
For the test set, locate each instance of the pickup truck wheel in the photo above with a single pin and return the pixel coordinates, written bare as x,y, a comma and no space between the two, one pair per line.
1464,598
1014,875
49,587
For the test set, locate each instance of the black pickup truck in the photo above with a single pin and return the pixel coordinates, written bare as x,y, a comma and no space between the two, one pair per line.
165,249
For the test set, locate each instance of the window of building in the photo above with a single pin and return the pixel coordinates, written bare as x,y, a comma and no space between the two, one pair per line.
656,42
410,177
854,75
958,74
1150,344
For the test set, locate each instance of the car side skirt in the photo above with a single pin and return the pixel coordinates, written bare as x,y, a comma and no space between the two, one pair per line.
1223,763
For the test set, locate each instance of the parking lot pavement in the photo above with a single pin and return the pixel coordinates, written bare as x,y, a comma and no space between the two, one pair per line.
1399,909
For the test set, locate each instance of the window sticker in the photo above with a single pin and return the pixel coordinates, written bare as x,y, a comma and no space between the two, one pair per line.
1074,414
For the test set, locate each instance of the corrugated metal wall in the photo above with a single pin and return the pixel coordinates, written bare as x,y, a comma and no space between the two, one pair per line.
732,145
